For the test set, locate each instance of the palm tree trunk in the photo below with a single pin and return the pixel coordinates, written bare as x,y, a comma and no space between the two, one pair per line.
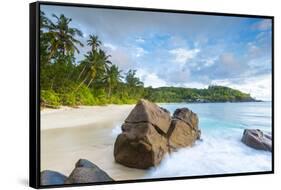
80,74
109,91
81,84
90,82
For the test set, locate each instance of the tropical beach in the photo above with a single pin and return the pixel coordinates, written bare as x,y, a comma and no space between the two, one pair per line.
176,95
94,135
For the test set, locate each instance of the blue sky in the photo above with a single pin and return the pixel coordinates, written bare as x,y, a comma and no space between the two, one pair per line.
185,50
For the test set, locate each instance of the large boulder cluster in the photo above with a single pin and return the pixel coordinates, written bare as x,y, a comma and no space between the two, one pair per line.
149,132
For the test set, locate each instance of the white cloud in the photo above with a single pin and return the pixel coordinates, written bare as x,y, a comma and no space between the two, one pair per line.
139,52
177,41
110,46
175,76
228,59
210,61
259,87
264,24
230,65
119,56
183,55
195,85
140,40
254,51
150,78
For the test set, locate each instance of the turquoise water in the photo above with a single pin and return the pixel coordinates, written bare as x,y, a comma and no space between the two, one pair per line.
221,150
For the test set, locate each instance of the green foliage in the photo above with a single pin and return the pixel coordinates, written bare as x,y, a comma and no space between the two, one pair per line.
97,81
84,96
68,99
49,98
211,94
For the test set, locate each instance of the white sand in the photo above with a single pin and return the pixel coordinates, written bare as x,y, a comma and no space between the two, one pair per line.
84,115
69,134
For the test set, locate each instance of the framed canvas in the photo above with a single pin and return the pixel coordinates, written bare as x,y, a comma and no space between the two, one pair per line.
122,94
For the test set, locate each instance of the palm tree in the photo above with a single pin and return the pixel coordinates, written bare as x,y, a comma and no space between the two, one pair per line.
104,59
63,38
132,80
112,78
94,42
44,21
44,39
99,65
95,65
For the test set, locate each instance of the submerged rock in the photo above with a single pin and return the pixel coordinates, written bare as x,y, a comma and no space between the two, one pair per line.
87,172
257,139
49,177
149,132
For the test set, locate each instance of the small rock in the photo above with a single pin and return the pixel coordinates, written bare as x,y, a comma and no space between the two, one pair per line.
87,175
257,139
87,172
84,163
49,177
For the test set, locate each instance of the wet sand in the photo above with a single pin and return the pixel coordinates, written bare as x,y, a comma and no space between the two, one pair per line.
87,132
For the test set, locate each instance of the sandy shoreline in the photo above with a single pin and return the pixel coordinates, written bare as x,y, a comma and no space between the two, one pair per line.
88,132
84,115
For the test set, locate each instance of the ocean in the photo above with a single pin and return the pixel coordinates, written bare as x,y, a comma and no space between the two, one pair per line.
221,150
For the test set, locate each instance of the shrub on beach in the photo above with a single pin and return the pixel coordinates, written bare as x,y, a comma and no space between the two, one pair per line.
68,99
49,98
84,96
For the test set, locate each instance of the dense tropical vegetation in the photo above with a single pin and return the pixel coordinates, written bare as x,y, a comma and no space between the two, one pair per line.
96,80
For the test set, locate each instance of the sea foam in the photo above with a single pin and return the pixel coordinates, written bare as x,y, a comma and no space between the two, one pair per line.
212,155
220,151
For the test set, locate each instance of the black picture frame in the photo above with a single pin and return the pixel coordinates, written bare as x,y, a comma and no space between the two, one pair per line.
34,92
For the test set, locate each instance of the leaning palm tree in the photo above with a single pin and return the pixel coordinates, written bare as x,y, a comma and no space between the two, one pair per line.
94,66
132,80
105,59
63,39
99,65
112,78
94,42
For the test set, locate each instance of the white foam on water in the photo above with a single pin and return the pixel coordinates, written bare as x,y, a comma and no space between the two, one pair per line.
214,155
116,130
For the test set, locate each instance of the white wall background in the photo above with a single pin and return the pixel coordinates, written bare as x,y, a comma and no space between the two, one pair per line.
14,44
